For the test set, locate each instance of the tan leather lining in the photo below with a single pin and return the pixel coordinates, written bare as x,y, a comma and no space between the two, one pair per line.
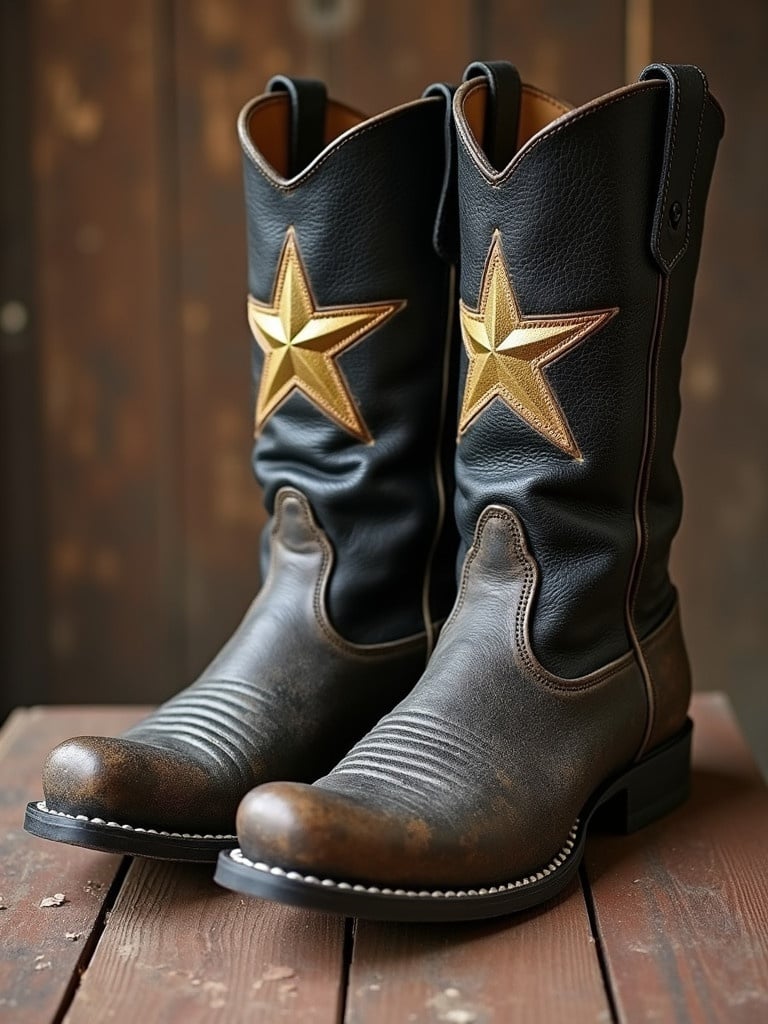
537,110
268,127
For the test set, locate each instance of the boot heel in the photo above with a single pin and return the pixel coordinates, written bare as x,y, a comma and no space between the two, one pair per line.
652,788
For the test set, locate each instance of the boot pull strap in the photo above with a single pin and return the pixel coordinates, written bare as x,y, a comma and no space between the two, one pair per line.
502,112
446,233
307,100
688,93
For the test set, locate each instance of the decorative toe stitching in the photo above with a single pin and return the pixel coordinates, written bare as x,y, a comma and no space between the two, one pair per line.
555,864
42,806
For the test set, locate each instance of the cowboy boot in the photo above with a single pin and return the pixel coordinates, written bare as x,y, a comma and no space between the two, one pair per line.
559,686
351,308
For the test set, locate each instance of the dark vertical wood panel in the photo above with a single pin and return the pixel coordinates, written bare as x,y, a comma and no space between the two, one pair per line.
225,52
722,553
22,553
573,50
37,959
382,54
534,968
178,948
682,906
108,393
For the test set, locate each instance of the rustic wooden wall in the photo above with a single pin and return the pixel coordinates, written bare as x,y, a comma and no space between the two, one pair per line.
129,518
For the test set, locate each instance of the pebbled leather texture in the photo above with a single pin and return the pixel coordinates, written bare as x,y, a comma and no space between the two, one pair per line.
478,774
285,698
365,213
574,210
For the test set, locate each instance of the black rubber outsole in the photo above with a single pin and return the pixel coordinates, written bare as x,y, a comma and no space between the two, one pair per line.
112,837
640,795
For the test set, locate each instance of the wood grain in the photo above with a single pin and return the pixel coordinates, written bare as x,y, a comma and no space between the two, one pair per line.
534,969
106,362
682,906
575,51
22,551
225,51
720,557
179,948
37,960
385,54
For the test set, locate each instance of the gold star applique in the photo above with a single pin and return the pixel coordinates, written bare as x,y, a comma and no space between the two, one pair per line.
301,342
508,351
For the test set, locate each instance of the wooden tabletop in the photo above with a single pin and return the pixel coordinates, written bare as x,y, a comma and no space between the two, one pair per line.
668,925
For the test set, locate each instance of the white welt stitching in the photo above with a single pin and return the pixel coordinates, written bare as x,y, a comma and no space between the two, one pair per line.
328,883
42,806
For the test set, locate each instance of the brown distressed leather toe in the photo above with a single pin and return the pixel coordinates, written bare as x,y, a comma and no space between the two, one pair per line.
136,784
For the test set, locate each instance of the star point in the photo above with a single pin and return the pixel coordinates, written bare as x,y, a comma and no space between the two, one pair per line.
508,351
301,342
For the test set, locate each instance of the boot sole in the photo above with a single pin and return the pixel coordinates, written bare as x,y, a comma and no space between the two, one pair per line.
640,795
131,840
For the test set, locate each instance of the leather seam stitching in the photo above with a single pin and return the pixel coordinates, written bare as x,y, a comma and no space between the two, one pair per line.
498,178
255,158
539,673
438,464
640,508
676,259
42,806
668,176
318,604
559,859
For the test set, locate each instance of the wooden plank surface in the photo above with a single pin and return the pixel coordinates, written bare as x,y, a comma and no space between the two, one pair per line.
99,136
22,550
535,968
41,948
721,554
179,948
674,918
385,54
682,906
225,51
573,50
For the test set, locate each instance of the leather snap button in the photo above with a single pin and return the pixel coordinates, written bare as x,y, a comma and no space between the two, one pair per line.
675,215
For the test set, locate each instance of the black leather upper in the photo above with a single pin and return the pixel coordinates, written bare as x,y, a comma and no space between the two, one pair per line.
365,213
575,210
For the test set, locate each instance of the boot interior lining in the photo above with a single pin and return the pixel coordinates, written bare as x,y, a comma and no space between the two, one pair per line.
537,110
269,127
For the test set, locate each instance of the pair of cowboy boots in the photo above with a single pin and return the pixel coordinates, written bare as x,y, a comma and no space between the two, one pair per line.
523,432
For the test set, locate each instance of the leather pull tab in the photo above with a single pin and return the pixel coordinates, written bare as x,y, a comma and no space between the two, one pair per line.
502,112
308,100
688,93
445,237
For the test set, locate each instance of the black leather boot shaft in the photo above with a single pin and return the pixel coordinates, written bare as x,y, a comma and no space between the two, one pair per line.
586,462
363,216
